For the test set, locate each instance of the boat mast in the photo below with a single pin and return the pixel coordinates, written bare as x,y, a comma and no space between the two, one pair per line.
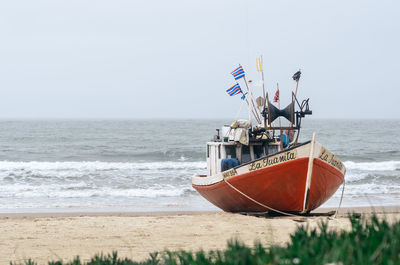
252,101
250,109
295,77
279,107
260,68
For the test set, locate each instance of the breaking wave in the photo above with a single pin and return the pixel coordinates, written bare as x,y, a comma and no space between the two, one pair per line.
97,165
38,184
369,184
373,166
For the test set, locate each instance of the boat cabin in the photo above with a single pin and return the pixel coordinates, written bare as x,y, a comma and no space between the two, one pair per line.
223,154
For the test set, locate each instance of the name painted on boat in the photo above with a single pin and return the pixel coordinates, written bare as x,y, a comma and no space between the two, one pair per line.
229,173
330,158
273,160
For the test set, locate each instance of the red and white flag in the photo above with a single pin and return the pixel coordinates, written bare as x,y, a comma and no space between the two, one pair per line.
276,98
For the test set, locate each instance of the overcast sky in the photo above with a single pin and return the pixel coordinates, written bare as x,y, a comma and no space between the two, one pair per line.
172,59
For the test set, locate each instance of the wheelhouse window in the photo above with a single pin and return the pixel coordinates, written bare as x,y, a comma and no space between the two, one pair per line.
208,151
272,149
230,151
246,157
258,151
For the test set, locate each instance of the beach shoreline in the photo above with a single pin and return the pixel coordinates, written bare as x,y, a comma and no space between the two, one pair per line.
69,213
47,237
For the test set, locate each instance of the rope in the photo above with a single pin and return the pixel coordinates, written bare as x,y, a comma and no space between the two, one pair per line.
340,202
284,213
259,203
240,109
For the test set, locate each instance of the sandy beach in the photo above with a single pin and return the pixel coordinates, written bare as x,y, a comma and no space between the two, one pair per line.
53,236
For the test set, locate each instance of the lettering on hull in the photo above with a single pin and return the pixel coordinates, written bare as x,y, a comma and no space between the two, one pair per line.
273,160
229,173
331,159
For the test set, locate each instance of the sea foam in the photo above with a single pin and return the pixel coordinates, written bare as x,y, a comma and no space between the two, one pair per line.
373,166
97,165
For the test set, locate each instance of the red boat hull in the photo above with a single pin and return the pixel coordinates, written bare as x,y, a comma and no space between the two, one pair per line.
282,187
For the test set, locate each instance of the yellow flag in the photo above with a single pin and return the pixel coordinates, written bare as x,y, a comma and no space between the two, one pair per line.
259,66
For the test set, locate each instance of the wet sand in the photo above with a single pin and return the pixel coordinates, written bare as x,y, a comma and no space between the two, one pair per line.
54,236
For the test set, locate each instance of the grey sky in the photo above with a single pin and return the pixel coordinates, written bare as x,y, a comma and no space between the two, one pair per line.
172,59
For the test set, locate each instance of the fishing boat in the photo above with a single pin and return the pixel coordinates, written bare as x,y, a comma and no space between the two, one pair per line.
264,167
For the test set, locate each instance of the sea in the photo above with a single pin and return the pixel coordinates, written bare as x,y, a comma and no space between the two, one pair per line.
146,165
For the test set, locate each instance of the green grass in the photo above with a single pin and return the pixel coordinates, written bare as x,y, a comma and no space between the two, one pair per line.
370,241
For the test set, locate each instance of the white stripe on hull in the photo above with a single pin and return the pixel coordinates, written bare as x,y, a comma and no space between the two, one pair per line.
302,151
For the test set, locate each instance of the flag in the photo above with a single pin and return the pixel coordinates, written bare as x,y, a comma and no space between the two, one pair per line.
244,96
276,98
238,73
234,90
296,76
259,65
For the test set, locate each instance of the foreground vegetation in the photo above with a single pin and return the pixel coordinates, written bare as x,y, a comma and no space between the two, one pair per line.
368,242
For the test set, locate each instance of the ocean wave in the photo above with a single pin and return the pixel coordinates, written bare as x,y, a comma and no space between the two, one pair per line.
57,191
389,178
98,165
373,166
93,181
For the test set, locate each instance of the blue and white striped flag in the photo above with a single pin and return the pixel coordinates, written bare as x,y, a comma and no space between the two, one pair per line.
234,90
238,73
